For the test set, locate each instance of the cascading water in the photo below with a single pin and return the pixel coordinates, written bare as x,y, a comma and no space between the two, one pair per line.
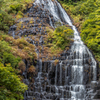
78,58
76,70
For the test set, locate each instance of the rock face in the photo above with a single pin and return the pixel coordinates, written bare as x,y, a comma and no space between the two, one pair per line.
74,76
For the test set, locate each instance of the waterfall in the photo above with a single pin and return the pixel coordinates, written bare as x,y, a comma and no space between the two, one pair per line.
61,73
71,78
79,54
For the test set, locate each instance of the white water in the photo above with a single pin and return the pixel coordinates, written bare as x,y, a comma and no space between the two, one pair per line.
78,49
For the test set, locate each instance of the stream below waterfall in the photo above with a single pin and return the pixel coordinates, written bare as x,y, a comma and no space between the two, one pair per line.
75,76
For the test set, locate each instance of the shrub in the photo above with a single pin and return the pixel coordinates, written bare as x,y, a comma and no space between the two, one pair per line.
19,15
5,21
6,55
56,41
56,62
62,36
91,37
10,58
21,66
11,88
88,7
31,69
15,7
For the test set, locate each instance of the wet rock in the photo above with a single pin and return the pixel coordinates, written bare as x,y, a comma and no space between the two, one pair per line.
97,96
63,57
13,28
26,81
94,85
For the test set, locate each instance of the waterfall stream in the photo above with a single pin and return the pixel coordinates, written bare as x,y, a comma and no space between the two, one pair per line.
79,54
75,75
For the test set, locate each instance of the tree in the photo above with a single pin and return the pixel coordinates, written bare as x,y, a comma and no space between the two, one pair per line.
11,88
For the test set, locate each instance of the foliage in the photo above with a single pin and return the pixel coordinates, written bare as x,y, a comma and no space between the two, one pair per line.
8,9
21,66
13,6
6,56
86,15
80,10
56,62
11,88
62,36
87,7
17,48
5,21
70,1
13,51
31,69
57,40
92,37
1,2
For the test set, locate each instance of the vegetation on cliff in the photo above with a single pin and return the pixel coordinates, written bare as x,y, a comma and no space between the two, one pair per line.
10,10
11,87
61,37
86,15
12,51
56,41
